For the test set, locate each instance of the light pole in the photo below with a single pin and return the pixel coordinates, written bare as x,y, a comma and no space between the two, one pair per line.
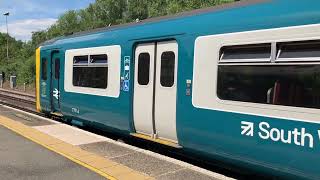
7,14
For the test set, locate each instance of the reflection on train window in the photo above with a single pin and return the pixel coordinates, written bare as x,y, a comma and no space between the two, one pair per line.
300,49
143,68
57,68
288,85
167,69
100,58
44,67
246,52
80,59
93,74
92,77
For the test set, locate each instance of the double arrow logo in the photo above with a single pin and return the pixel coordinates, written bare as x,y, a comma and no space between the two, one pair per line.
247,128
56,93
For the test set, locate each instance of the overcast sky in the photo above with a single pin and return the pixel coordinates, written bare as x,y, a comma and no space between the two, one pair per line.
27,16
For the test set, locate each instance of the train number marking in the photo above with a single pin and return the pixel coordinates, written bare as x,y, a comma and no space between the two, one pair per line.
75,110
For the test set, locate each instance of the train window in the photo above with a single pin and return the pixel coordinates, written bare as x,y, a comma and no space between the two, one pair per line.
288,85
143,68
298,50
92,77
93,74
242,53
80,60
44,67
57,68
100,58
167,69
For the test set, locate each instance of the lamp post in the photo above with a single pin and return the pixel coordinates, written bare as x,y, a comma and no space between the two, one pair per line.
7,14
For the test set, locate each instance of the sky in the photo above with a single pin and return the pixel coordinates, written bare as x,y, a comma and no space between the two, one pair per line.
27,16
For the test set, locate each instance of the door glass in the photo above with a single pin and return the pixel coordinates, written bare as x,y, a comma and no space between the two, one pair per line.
143,68
57,68
167,69
44,69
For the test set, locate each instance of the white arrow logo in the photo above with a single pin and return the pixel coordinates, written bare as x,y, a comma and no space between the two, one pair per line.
247,128
319,134
56,93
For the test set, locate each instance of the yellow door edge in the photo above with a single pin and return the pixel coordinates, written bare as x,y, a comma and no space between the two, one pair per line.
38,106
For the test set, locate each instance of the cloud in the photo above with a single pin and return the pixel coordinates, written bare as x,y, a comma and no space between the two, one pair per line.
22,29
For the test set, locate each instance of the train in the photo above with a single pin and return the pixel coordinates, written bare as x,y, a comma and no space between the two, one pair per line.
237,83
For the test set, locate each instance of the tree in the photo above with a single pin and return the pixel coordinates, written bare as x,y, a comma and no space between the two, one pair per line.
69,22
137,9
101,13
110,11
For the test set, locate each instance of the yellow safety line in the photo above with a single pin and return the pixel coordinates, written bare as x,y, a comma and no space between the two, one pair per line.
38,79
62,154
160,141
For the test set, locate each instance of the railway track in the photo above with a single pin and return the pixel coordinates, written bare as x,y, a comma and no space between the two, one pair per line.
19,100
26,102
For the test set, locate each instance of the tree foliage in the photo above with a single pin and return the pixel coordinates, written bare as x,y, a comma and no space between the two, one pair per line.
101,13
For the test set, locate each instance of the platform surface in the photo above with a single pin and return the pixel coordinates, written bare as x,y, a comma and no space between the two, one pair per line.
24,159
39,148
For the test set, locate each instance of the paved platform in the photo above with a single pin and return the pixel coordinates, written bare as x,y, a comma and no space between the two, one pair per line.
24,159
106,157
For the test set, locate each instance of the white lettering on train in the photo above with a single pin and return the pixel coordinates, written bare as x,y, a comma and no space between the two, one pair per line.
296,136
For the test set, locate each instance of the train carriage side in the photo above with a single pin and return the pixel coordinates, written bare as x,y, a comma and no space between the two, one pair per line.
255,96
245,91
87,90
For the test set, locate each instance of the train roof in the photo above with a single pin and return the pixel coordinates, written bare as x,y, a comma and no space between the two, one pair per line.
231,17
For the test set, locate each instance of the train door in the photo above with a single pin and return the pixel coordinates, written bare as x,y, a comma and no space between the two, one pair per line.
55,81
155,90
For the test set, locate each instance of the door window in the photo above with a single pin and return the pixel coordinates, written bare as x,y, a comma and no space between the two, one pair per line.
167,69
44,69
143,68
57,68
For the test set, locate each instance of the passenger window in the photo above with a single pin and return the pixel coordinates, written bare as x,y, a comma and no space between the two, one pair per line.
57,68
301,49
101,59
44,67
167,69
93,74
143,68
241,53
288,85
78,60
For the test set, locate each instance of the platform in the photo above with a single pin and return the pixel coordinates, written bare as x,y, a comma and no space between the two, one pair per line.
44,149
24,159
